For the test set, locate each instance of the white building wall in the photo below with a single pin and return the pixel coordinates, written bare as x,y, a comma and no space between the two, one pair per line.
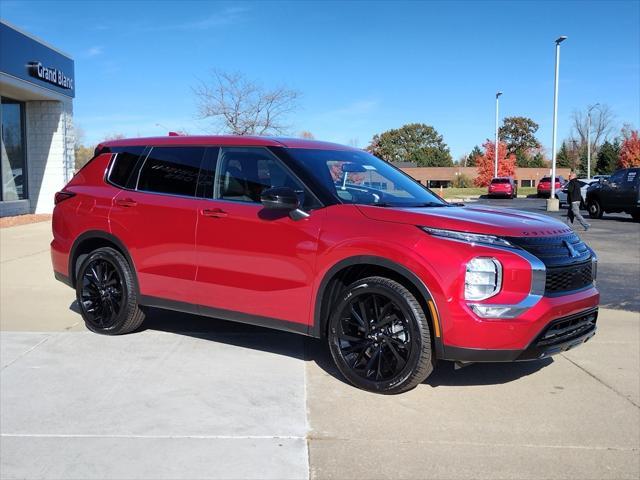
50,151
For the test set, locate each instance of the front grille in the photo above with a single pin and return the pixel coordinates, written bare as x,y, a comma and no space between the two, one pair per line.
574,277
567,329
567,260
556,251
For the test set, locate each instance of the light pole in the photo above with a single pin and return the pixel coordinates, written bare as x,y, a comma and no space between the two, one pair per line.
495,167
589,139
553,205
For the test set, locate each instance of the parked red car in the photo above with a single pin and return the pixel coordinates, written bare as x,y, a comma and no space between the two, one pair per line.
323,240
544,185
503,187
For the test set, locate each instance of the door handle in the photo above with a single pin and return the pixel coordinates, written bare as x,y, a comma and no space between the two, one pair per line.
213,212
126,202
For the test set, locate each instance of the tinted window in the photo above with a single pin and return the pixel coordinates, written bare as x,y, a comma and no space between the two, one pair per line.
500,180
246,172
123,166
172,170
207,173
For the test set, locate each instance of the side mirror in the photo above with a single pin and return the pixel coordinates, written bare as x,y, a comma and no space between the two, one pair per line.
283,199
279,198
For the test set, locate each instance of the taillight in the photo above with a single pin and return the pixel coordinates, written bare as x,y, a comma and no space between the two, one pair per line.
62,196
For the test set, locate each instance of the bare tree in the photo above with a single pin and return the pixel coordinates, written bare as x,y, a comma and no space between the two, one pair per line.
242,107
602,125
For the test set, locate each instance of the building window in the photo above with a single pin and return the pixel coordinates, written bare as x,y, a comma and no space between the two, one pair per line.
526,183
13,163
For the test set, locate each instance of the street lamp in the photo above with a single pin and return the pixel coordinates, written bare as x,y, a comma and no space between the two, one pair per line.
589,138
495,167
553,205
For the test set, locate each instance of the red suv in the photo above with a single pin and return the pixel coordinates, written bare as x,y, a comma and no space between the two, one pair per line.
323,240
544,186
503,187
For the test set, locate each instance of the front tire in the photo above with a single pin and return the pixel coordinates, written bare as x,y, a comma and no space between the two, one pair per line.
379,336
595,210
106,293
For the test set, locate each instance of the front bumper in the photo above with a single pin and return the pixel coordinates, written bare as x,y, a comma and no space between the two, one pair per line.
558,336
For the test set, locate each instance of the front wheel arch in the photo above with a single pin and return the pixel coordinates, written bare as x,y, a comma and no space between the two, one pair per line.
343,273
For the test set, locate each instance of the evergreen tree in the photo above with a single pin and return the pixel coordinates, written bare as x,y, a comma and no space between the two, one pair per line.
472,159
563,157
608,157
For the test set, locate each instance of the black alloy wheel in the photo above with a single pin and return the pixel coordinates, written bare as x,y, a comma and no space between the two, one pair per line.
107,294
102,293
379,337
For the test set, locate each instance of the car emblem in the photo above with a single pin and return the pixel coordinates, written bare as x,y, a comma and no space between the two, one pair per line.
572,251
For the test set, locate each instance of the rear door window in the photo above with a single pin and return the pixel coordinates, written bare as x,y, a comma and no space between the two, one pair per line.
171,170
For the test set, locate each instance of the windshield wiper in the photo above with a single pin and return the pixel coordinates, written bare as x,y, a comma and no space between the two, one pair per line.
399,205
428,204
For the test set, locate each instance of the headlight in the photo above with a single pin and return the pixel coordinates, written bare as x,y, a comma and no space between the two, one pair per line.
483,278
469,237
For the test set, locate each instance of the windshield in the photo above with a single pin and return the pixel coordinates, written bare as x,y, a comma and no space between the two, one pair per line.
356,176
500,180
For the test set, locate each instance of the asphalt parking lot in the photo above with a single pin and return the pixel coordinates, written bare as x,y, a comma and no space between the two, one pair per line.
189,397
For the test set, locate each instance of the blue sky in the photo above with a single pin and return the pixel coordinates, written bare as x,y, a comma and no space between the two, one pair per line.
362,67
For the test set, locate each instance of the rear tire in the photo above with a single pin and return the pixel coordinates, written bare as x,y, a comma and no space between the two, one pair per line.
636,216
379,336
107,294
595,210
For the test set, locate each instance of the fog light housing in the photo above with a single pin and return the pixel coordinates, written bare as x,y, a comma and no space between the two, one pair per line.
483,278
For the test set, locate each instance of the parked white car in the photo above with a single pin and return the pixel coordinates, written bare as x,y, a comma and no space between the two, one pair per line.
584,184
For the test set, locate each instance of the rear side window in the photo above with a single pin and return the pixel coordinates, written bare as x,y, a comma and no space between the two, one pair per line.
171,170
123,165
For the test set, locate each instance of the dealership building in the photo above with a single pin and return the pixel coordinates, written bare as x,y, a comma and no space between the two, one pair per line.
37,87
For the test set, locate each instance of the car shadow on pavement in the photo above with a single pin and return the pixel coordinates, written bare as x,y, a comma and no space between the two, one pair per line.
315,350
445,373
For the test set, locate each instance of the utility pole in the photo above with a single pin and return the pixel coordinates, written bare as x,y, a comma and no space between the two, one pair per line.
553,205
495,167
589,139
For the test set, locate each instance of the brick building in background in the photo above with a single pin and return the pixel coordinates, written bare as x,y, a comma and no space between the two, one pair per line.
37,87
444,176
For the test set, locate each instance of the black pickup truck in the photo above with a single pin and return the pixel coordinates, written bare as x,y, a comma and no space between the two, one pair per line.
619,193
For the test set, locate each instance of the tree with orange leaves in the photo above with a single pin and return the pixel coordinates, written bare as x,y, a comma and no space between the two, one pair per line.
485,163
630,150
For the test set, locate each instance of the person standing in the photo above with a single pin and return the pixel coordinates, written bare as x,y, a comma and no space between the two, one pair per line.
574,197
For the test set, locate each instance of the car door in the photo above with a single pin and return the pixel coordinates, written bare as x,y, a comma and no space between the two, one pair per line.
156,219
251,260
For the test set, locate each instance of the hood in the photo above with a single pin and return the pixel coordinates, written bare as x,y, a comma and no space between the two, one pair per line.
474,219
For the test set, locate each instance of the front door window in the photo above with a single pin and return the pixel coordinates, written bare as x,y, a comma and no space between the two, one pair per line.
12,166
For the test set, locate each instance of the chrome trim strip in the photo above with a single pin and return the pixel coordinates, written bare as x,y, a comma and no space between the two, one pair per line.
538,280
